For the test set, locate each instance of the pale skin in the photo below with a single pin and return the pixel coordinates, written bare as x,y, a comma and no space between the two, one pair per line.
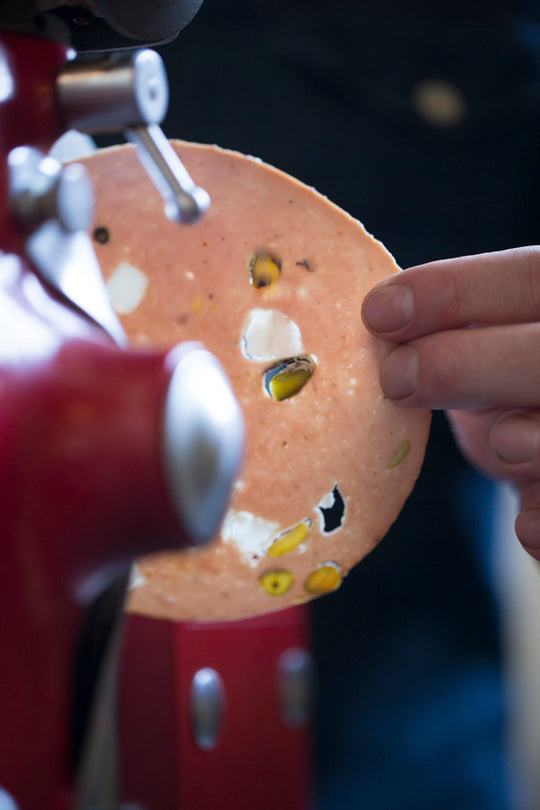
467,335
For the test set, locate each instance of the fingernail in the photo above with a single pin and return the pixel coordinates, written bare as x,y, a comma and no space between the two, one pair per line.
516,439
388,308
399,372
528,530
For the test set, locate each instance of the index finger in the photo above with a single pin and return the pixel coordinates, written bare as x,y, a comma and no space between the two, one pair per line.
489,288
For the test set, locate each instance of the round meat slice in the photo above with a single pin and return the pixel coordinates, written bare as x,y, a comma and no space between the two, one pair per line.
271,280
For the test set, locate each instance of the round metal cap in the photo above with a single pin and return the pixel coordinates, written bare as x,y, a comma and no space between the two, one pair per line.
74,198
203,440
207,707
151,87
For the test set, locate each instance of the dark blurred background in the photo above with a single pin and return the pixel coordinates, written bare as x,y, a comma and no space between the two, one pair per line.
420,119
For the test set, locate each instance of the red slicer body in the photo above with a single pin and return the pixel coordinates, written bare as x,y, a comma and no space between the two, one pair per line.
89,477
95,470
218,715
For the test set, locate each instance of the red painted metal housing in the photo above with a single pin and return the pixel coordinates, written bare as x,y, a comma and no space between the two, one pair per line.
260,761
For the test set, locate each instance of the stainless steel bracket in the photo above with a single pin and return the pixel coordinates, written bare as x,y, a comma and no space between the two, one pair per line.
54,205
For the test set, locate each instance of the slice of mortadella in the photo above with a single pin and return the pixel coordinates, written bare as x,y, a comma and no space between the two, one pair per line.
271,281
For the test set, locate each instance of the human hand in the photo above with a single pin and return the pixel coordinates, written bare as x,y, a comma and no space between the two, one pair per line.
468,340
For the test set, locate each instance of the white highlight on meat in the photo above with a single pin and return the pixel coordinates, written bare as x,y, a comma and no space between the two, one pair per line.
127,287
136,579
327,501
271,335
251,535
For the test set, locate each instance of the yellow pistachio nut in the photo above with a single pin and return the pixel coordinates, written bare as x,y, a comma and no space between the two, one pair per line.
277,582
324,579
286,378
290,539
264,270
401,453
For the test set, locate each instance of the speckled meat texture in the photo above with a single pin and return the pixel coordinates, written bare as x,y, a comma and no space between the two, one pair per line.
327,469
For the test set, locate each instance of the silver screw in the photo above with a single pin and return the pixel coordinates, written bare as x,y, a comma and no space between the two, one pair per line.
42,189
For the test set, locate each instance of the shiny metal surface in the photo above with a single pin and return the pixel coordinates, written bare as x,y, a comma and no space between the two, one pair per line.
110,94
203,436
54,204
41,189
69,264
184,201
296,686
207,706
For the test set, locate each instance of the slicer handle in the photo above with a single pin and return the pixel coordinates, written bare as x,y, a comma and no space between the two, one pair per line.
184,201
130,94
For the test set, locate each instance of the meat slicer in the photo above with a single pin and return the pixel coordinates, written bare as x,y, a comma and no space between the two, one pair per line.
100,462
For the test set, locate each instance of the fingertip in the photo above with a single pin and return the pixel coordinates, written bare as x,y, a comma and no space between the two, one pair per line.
527,528
388,308
399,372
515,439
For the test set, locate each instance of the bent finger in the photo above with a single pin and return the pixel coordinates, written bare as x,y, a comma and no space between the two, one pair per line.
515,441
491,367
502,444
490,288
527,525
